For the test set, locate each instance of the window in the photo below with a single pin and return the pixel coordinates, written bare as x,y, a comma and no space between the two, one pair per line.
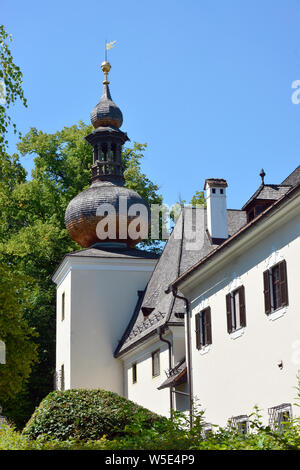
207,430
155,363
239,424
134,373
236,309
63,307
62,377
203,328
275,287
278,415
221,191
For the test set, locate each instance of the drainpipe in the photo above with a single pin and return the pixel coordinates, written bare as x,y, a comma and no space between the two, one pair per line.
189,356
160,331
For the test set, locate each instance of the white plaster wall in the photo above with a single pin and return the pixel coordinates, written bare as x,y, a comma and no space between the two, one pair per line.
102,300
144,391
63,329
236,374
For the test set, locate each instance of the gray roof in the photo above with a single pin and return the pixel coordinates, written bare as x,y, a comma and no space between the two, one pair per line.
294,178
176,258
110,252
272,192
114,252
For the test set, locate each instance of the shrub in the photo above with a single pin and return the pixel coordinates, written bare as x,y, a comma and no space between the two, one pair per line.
86,415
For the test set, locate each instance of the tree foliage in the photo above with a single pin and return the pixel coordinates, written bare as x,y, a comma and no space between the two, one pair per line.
15,332
10,86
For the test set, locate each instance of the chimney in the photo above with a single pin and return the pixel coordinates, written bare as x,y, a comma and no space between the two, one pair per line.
217,222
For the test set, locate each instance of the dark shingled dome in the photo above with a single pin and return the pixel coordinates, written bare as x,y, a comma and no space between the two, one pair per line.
106,112
81,219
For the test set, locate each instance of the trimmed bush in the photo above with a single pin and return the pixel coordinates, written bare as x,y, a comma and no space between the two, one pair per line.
86,415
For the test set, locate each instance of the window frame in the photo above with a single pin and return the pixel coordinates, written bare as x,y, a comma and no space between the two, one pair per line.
134,372
277,413
231,310
203,328
63,306
270,286
240,424
154,353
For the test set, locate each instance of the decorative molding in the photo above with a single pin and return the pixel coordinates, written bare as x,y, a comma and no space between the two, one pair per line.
205,349
277,313
273,259
237,333
68,265
234,284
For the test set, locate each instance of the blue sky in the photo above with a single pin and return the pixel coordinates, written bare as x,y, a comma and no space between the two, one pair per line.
207,84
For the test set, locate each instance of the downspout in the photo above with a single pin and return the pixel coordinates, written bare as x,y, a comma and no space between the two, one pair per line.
189,356
160,331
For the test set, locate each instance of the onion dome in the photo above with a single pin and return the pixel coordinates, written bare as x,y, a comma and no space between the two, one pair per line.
82,220
107,213
106,112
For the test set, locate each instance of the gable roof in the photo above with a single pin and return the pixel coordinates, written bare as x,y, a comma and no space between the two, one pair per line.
271,192
176,258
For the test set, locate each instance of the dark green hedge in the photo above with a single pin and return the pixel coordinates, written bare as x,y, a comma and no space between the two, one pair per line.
86,414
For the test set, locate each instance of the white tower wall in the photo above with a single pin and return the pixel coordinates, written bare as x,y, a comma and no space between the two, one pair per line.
100,296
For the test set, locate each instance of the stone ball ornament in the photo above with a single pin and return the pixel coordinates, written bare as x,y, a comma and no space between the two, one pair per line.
107,213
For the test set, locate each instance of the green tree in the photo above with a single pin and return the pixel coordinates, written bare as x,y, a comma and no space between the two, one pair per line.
10,86
16,333
33,237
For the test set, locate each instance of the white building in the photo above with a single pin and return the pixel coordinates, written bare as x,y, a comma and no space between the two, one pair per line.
215,317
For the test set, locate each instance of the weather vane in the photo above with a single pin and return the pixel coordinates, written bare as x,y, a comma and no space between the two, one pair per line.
108,45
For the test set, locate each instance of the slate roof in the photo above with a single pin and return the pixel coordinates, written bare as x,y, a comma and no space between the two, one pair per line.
294,178
110,252
275,191
114,252
176,258
268,191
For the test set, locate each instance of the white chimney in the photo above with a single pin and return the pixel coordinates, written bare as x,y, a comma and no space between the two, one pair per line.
217,222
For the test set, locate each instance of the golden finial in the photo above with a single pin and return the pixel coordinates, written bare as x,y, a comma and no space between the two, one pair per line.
105,68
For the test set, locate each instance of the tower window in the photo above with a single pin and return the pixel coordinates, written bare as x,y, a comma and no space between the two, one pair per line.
134,373
62,377
156,363
213,190
221,191
63,306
